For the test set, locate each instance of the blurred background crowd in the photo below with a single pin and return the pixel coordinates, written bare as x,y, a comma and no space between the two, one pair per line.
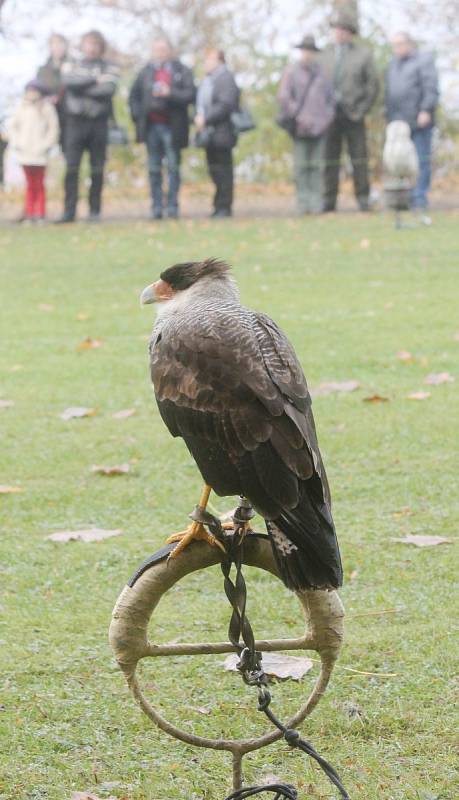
200,82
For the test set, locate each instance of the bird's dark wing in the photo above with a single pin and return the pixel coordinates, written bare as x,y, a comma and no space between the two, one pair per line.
287,374
239,383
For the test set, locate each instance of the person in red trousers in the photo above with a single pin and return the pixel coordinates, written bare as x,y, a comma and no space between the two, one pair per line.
32,132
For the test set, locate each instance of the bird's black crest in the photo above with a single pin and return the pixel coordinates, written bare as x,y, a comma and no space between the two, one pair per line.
182,276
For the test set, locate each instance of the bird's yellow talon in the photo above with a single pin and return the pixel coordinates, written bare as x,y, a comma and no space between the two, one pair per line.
196,532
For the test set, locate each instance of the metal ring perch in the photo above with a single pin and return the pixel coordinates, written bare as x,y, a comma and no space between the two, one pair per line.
134,608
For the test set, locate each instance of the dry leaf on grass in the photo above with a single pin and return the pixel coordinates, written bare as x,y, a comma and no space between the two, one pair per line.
76,412
45,307
90,535
117,469
6,403
375,398
418,396
124,413
406,511
423,541
90,796
330,387
365,244
436,378
10,489
405,356
456,336
201,709
89,344
276,665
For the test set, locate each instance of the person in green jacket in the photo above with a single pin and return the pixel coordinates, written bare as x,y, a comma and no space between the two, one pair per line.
351,68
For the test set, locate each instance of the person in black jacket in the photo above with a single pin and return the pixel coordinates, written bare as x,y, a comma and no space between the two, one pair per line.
90,84
218,97
158,101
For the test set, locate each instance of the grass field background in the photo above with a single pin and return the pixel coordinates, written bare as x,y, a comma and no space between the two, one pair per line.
351,293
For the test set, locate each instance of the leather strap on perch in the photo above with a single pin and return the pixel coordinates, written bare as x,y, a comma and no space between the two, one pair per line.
128,635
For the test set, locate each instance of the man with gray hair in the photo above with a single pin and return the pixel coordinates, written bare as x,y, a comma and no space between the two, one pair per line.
158,101
412,96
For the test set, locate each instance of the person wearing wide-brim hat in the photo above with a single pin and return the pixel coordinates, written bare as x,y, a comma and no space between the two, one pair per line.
306,110
351,68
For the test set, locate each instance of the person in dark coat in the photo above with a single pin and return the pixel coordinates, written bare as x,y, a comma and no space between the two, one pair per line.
50,75
351,68
90,84
218,97
412,96
306,100
159,101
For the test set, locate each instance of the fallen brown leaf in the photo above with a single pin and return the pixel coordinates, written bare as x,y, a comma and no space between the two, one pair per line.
89,344
436,378
45,307
90,535
330,387
124,413
405,356
75,412
10,489
365,244
418,396
117,469
406,511
376,398
91,796
6,404
276,665
423,541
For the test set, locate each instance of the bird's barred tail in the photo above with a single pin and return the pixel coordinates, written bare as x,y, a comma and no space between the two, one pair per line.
305,546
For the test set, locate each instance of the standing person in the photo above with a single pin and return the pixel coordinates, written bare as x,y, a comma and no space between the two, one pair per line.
32,131
90,84
307,107
158,101
218,97
50,75
351,68
412,95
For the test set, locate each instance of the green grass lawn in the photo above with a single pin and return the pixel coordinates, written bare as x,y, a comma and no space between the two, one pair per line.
350,292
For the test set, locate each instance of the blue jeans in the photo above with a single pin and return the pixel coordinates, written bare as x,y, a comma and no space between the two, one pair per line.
422,138
160,146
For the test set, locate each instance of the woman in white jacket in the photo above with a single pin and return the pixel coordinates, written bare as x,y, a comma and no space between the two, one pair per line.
32,132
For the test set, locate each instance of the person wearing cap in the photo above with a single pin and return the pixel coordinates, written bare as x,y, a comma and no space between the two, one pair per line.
412,96
89,84
32,132
307,108
352,69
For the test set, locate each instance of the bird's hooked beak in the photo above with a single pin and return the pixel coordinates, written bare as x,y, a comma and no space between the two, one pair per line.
148,295
156,293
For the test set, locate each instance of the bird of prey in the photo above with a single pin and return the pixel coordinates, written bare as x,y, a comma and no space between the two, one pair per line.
228,381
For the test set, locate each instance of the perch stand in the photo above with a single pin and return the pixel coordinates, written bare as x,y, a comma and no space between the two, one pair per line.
134,608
